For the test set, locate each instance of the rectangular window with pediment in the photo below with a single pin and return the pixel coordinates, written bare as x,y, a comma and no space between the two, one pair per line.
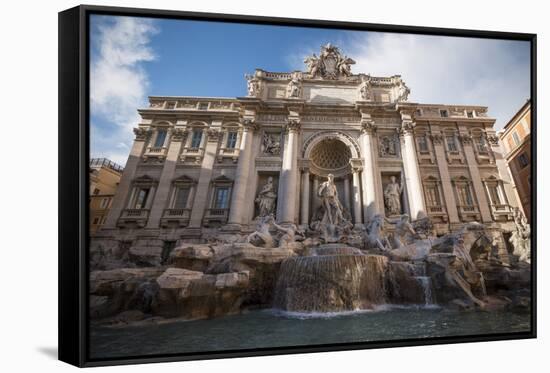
141,198
161,137
465,195
196,139
182,195
432,195
423,144
451,143
231,140
221,198
481,145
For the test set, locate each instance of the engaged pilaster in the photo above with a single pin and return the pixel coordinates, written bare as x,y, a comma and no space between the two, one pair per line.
304,214
119,200
410,165
236,211
369,174
289,173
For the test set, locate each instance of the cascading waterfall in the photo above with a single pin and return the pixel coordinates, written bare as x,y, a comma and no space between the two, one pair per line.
426,283
334,278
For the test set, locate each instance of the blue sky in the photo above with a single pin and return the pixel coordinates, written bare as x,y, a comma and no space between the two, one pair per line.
132,58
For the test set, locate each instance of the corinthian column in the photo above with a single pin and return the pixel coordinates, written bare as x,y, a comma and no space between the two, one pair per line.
305,198
369,170
289,174
356,197
410,165
236,211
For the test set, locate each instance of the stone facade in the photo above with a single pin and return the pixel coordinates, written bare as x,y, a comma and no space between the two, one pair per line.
199,167
516,140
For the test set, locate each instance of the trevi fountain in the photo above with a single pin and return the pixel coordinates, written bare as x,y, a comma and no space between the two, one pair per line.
329,282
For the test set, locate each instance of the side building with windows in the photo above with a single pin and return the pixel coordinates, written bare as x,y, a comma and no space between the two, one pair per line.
202,168
104,178
516,137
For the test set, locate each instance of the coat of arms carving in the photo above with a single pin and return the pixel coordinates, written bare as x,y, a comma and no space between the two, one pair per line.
330,64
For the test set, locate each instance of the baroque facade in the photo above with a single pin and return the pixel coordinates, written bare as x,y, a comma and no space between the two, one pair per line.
206,166
516,140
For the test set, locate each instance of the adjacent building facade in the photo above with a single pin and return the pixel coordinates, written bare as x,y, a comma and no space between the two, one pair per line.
516,139
104,178
206,166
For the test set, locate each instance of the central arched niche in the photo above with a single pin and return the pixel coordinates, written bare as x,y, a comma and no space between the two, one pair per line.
331,155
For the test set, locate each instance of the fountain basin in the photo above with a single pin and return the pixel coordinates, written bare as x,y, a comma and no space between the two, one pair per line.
334,278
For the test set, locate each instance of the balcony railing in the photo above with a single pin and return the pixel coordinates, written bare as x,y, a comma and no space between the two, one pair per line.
468,212
216,216
178,217
501,212
134,216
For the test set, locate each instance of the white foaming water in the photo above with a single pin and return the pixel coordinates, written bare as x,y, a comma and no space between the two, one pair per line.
426,283
317,315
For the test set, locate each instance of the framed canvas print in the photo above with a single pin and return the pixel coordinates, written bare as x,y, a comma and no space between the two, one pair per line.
238,186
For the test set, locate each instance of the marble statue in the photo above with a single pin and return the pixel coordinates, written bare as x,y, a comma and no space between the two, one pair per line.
271,144
253,86
388,146
266,198
392,196
521,237
313,65
365,90
344,67
262,237
330,201
289,234
403,92
294,87
404,232
374,237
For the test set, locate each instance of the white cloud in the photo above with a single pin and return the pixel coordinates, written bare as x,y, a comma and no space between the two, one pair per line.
118,82
450,70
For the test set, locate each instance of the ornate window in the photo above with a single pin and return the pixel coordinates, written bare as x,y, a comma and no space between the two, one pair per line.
194,143
179,207
229,149
220,198
231,142
466,205
422,142
196,139
158,143
450,141
497,198
432,194
140,201
160,138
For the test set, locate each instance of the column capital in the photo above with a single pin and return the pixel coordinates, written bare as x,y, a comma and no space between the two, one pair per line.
437,138
368,126
214,135
465,139
407,127
142,134
356,165
304,165
249,124
493,140
293,124
179,134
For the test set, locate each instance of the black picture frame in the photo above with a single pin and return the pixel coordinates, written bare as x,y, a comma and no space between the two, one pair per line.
73,181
